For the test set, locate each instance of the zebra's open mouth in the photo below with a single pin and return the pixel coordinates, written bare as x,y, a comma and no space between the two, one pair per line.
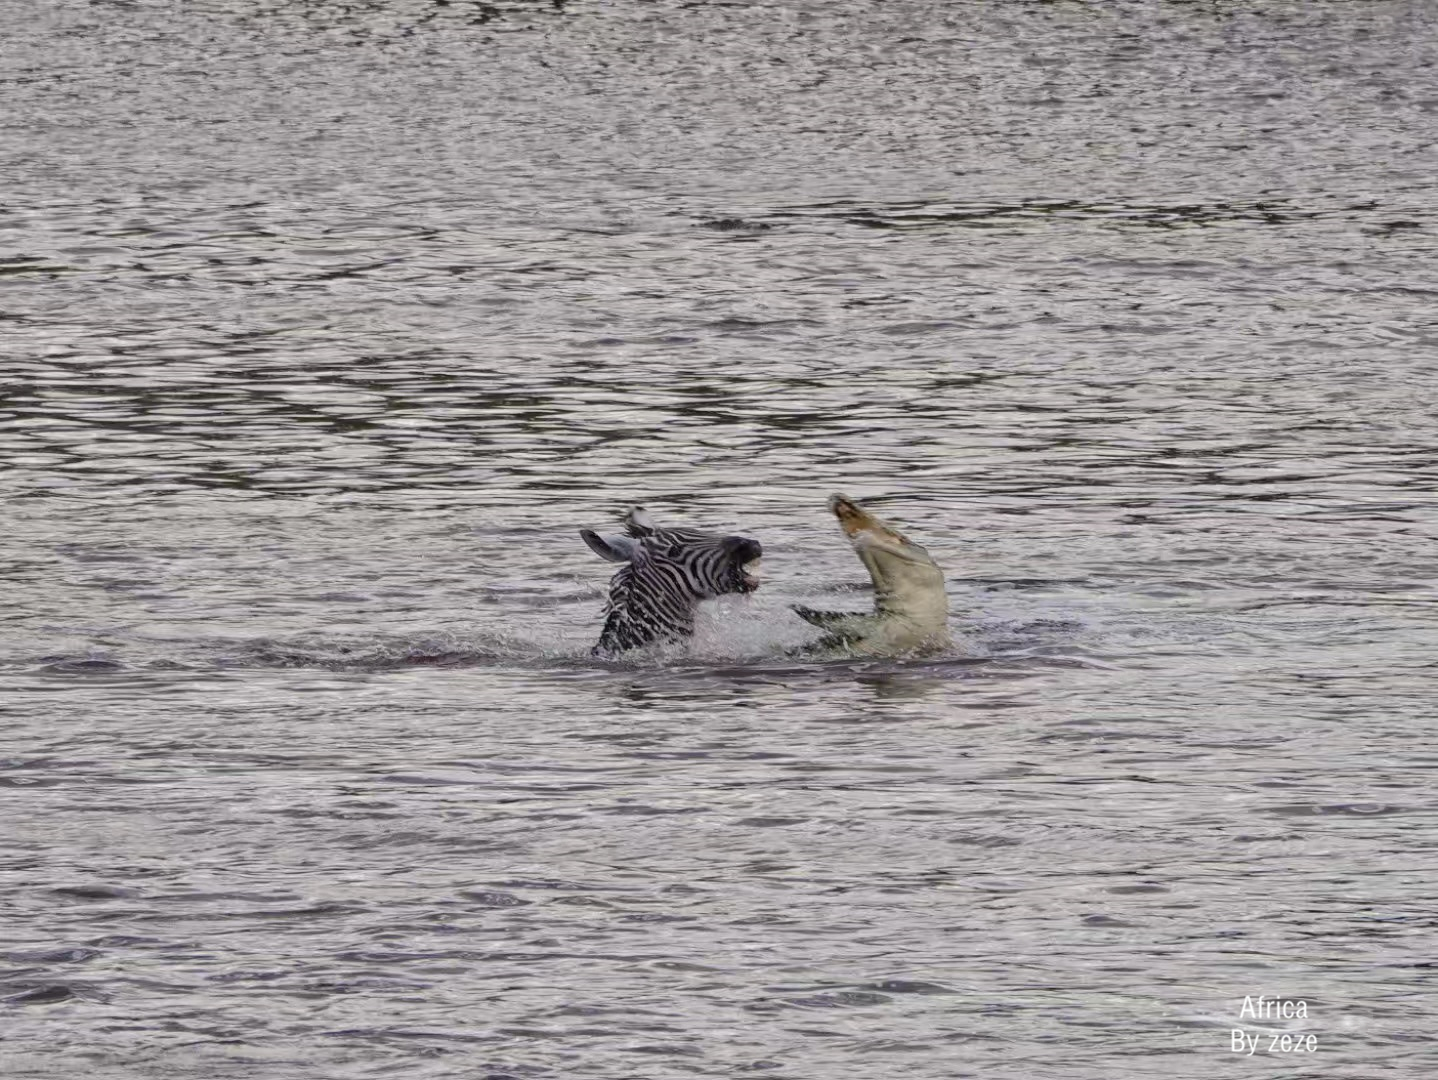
749,576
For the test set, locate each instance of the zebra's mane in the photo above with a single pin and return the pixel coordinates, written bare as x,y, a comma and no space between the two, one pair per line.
638,524
621,586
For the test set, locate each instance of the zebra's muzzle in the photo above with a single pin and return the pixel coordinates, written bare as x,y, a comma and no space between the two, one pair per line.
747,554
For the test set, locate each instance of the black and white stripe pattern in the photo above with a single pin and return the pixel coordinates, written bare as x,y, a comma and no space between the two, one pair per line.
666,573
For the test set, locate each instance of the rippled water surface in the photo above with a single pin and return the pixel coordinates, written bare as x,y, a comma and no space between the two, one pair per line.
326,325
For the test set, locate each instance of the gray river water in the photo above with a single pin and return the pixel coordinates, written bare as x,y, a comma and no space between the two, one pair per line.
325,326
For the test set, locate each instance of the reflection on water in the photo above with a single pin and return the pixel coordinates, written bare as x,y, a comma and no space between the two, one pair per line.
328,325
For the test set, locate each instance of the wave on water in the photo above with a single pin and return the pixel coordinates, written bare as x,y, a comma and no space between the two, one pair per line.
736,636
750,652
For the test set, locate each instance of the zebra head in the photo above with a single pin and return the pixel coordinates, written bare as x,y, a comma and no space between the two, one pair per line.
664,575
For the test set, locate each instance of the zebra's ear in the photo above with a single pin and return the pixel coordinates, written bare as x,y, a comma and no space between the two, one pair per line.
611,548
638,522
